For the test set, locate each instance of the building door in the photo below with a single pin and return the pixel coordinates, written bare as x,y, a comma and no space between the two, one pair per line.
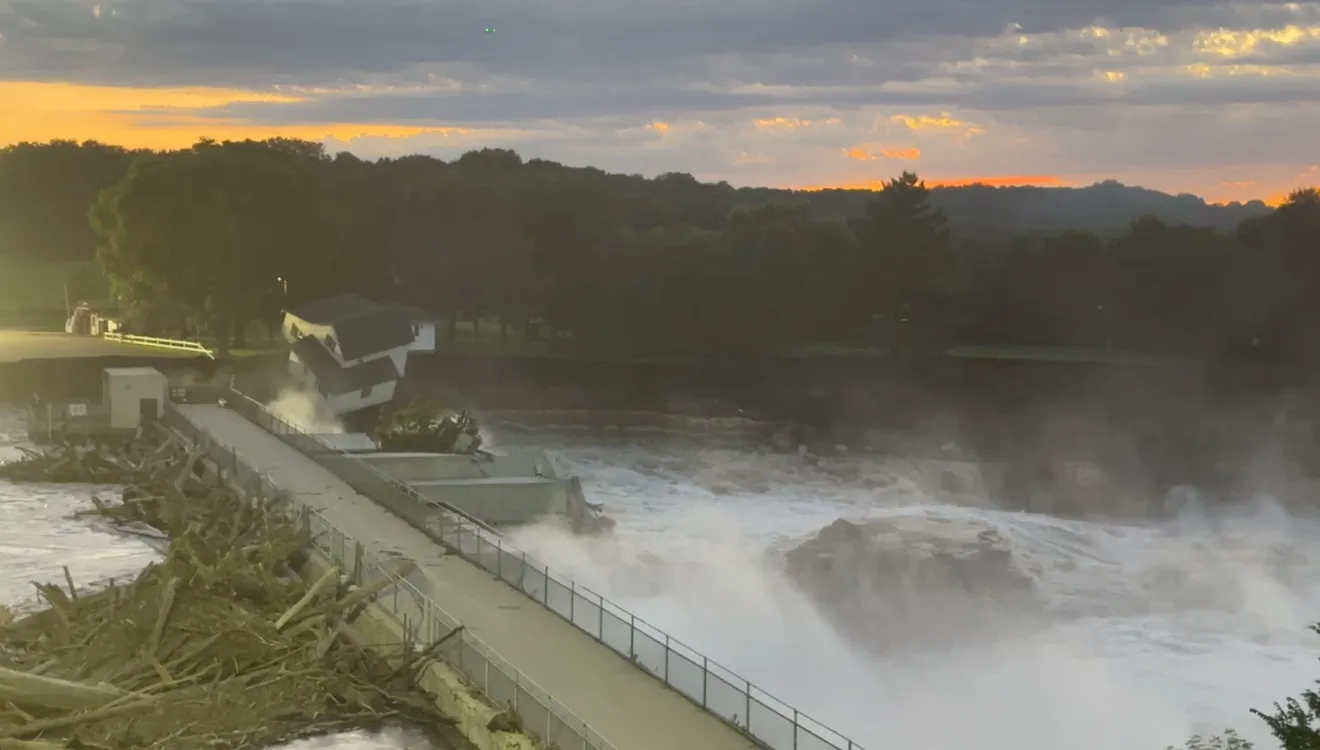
148,410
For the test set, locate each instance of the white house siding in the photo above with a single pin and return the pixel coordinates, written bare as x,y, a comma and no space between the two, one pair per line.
349,402
424,340
301,372
304,329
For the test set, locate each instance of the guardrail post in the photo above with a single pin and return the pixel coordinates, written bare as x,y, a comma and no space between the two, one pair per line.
748,693
705,678
430,613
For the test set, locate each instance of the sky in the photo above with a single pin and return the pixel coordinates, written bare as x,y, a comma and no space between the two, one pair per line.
1217,99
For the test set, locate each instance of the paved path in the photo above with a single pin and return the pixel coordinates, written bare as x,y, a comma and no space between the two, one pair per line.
626,706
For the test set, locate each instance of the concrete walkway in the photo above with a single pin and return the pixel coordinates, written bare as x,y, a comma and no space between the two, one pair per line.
626,706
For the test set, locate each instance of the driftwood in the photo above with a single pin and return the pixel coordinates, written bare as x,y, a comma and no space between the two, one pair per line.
215,646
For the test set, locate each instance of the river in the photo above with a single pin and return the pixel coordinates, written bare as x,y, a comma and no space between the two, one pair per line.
1159,630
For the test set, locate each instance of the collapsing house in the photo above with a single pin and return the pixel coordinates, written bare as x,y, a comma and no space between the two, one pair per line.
350,350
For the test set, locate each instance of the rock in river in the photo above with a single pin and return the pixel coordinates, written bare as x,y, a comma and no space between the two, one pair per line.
913,577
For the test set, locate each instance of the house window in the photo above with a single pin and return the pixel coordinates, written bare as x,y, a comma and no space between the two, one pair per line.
417,330
330,343
295,331
366,392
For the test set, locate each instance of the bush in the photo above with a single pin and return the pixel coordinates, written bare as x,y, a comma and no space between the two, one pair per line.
1295,724
1229,740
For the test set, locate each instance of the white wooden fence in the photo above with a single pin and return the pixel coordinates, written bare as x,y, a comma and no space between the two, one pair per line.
171,344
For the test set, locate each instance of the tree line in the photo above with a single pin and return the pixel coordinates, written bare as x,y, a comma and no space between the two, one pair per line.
211,239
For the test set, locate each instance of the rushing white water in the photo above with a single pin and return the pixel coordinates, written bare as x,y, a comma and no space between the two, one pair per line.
1155,631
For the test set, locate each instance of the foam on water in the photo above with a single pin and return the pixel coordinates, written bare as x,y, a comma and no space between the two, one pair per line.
1155,631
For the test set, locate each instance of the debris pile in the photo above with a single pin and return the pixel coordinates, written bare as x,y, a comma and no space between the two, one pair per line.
217,646
424,427
74,460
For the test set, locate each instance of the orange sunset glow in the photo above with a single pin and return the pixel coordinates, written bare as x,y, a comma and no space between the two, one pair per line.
156,117
995,181
865,153
176,117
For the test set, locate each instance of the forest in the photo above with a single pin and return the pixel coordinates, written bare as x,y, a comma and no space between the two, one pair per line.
208,241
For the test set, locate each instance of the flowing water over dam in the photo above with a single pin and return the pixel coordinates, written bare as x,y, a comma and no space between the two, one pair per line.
1148,633
1151,632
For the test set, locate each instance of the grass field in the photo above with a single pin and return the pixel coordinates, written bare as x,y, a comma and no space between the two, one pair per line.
20,345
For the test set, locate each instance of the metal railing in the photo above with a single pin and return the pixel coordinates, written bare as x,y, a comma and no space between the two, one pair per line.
419,616
172,344
771,722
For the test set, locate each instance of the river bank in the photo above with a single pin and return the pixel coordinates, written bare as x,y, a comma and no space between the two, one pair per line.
1153,427
43,535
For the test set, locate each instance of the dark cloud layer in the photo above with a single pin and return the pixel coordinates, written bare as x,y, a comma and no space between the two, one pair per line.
973,86
227,41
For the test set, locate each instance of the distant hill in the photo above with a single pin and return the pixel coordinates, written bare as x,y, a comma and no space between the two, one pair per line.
1104,208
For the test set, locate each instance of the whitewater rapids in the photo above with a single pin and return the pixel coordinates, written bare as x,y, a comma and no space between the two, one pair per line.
1157,631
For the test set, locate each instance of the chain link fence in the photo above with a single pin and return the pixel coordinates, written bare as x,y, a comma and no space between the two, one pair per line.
421,618
770,721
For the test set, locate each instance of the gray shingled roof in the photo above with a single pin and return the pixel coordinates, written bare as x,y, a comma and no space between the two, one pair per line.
362,327
334,380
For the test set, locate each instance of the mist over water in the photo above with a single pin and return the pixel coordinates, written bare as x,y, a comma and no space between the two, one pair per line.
1139,635
304,411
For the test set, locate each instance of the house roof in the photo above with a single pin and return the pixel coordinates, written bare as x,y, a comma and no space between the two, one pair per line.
333,379
330,310
363,327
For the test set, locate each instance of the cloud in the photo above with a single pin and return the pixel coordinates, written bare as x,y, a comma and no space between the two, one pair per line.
905,154
873,153
1178,94
164,117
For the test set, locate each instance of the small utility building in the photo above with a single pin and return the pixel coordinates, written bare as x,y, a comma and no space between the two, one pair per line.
134,396
350,350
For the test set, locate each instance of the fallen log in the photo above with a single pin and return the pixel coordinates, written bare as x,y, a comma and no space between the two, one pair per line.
218,645
28,690
9,743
